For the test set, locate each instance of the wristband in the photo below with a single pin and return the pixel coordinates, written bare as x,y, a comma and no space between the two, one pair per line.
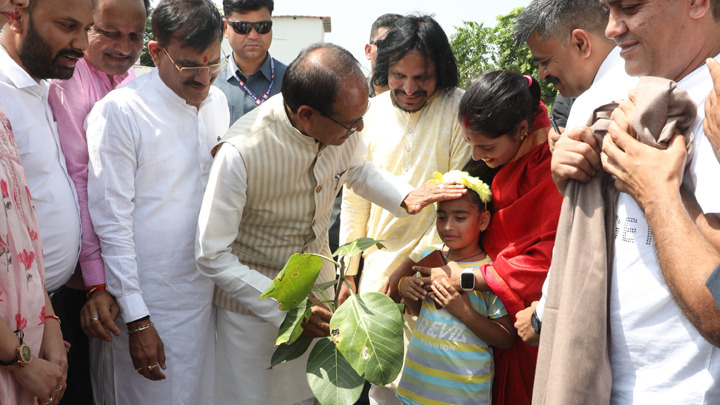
93,289
55,317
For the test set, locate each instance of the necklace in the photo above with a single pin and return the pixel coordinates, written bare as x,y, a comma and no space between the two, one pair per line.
445,258
266,95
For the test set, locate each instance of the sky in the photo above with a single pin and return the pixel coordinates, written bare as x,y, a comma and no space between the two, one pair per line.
351,20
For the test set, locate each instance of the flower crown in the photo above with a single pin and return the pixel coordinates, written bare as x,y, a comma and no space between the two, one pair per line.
470,182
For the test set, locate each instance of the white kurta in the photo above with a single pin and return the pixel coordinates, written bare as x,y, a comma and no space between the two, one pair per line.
149,164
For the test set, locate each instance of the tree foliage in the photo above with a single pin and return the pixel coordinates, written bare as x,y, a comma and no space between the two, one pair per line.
145,58
481,49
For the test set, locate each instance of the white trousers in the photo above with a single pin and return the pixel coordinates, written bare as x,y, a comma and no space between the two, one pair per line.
245,345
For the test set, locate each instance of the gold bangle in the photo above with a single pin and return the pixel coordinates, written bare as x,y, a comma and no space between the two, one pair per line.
400,282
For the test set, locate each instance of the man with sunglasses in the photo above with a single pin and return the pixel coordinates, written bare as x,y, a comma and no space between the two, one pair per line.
252,75
149,148
114,44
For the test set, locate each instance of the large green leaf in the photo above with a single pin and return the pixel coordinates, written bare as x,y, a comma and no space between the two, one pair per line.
291,327
358,245
331,379
294,282
286,352
368,330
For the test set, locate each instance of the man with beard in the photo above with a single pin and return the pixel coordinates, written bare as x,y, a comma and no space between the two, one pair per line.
115,42
149,157
44,41
252,75
411,131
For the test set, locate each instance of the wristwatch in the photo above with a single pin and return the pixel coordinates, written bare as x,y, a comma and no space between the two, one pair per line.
23,355
467,280
535,322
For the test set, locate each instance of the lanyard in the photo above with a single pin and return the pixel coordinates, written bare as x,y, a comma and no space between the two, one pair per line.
265,95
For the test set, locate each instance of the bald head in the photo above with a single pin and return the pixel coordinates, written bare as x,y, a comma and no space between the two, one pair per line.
317,75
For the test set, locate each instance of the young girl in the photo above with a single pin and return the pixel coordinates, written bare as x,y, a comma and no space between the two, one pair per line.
449,358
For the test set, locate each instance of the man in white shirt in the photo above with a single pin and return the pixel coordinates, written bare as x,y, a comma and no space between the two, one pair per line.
270,194
149,157
45,41
662,317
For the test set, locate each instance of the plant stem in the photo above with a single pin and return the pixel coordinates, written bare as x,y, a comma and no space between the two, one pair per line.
341,280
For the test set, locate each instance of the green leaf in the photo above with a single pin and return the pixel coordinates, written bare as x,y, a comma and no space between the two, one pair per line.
357,246
294,282
291,327
331,378
286,352
368,330
324,286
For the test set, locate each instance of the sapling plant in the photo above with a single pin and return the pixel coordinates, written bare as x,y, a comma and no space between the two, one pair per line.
366,331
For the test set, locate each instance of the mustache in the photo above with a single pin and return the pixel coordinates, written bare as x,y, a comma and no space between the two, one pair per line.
417,93
70,52
116,54
552,79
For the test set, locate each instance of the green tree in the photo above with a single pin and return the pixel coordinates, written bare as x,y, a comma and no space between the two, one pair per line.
145,58
481,49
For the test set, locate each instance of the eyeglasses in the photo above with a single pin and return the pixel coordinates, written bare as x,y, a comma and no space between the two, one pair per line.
190,71
244,27
353,124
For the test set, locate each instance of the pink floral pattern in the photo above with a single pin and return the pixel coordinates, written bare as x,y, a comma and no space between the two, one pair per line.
22,290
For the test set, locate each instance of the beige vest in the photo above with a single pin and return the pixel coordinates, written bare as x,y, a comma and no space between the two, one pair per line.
292,184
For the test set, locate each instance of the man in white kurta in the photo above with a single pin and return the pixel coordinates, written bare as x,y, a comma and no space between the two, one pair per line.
149,145
270,194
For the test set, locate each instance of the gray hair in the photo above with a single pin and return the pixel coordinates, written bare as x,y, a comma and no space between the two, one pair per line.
556,19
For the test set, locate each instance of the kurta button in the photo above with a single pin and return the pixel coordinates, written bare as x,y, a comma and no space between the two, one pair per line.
305,249
318,189
314,222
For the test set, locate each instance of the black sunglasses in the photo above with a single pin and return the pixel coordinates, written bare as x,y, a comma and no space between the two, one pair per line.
244,27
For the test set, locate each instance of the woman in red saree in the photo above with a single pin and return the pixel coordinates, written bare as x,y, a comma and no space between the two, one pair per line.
507,125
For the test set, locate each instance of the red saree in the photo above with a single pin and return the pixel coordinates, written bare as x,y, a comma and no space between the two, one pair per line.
520,240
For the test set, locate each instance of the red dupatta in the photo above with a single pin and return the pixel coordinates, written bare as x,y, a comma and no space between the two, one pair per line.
520,240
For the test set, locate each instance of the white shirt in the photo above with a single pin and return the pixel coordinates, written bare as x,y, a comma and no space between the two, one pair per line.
657,356
149,163
52,190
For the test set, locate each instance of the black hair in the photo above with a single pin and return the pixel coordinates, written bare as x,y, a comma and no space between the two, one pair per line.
194,23
147,6
420,33
316,81
243,6
385,20
498,102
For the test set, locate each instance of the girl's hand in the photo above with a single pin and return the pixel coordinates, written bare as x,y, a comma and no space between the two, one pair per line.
449,298
43,379
411,288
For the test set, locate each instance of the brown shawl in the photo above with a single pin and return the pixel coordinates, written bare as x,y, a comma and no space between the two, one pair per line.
573,364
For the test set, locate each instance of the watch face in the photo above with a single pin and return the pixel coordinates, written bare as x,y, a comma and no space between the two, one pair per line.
467,280
25,354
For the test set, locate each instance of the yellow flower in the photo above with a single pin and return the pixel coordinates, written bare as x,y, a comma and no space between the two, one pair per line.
470,182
